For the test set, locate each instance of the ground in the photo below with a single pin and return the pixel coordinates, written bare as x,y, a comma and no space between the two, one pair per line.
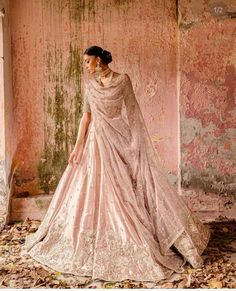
23,272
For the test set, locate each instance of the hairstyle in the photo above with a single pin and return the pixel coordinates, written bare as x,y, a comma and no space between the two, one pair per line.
97,51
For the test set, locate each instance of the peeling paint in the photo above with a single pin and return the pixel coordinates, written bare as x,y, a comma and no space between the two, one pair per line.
209,182
207,101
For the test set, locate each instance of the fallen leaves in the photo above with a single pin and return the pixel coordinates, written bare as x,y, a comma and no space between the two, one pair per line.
17,271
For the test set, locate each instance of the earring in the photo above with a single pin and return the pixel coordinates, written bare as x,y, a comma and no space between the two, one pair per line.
98,67
98,70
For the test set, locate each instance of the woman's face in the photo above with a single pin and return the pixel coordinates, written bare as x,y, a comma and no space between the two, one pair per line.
90,63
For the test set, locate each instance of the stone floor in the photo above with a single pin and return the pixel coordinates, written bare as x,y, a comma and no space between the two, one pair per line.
23,272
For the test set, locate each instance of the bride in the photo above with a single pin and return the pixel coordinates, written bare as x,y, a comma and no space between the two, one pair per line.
114,215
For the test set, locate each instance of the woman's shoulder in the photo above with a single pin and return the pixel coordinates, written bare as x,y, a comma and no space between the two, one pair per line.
121,75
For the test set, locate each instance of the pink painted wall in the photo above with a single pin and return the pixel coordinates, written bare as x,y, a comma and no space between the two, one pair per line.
190,112
27,60
207,102
48,39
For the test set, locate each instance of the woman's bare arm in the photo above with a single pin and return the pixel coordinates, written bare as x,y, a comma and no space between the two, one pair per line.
83,127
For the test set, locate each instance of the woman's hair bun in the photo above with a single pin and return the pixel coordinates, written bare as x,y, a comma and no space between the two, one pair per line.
98,51
106,56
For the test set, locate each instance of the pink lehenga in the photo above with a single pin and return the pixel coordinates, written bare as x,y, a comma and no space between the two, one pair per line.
115,216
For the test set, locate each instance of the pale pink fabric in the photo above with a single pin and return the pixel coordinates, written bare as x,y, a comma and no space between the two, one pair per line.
115,216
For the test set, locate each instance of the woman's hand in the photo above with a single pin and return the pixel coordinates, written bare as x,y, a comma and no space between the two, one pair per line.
72,158
84,123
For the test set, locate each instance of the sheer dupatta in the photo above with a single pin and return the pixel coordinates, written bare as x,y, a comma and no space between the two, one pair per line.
168,211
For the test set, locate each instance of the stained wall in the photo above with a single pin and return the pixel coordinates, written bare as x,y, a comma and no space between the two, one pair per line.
180,56
7,139
207,64
48,39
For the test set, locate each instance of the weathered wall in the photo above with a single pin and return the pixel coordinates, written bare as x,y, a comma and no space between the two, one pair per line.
48,39
207,33
27,59
6,111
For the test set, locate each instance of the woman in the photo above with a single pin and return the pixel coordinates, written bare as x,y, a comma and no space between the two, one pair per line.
114,215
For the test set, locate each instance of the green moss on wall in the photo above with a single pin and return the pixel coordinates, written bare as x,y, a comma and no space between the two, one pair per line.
39,203
80,9
62,114
60,135
73,72
49,64
45,171
49,105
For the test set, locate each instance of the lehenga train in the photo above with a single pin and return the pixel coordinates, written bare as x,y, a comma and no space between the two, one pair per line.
115,216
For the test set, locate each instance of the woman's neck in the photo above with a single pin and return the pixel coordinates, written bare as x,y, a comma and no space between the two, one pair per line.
104,77
104,73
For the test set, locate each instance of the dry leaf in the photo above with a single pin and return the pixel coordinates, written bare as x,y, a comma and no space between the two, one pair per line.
23,272
108,285
215,284
225,229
